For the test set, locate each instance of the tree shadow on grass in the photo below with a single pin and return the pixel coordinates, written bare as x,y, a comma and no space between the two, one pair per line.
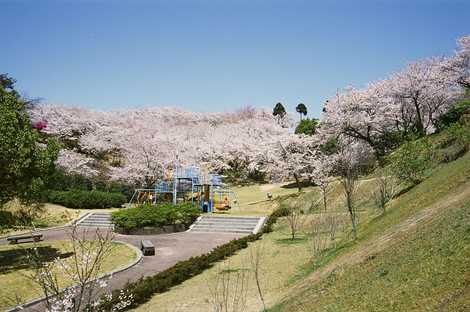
17,259
293,185
290,241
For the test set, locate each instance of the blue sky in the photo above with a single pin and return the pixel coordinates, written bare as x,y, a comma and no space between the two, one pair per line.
216,55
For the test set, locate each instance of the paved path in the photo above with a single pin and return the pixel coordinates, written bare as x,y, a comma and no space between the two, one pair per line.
169,248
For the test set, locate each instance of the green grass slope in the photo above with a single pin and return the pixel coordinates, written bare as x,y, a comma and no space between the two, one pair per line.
416,257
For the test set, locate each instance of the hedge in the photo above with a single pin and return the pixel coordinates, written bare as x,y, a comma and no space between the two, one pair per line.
144,288
156,216
61,181
86,199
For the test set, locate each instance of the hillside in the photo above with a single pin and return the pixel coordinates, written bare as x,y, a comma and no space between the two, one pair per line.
415,257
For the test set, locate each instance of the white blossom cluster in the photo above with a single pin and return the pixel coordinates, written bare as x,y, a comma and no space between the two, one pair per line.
144,142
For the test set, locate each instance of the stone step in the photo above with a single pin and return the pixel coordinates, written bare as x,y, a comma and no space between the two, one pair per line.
97,219
231,218
227,220
96,224
221,230
227,225
218,224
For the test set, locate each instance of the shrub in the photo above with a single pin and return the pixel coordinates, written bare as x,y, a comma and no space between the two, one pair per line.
160,215
410,161
86,199
454,115
307,126
7,219
452,143
62,181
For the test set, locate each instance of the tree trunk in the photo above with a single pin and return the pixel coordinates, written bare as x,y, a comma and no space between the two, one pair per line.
297,181
419,121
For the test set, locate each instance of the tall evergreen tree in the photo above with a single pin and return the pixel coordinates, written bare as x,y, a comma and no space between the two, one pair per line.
301,109
279,111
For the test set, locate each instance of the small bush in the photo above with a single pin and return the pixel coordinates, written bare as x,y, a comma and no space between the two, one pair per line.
453,115
82,199
160,215
411,160
7,219
62,181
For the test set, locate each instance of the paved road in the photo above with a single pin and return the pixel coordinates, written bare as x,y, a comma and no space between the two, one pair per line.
170,248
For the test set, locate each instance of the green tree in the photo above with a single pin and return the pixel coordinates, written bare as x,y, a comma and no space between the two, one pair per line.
330,147
455,114
410,162
302,110
279,111
26,161
307,126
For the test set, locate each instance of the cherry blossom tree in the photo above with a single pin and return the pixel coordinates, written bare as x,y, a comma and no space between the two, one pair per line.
321,174
459,64
290,157
409,101
83,269
137,145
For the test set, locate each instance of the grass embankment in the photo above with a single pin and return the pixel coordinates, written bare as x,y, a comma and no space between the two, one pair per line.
415,257
49,216
17,287
252,199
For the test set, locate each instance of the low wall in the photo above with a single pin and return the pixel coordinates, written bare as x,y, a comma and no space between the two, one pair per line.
153,230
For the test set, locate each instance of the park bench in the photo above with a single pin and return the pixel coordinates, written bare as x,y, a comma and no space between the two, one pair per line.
147,247
16,238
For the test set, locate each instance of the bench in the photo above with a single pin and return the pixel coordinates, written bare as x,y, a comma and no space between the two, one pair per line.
15,239
147,247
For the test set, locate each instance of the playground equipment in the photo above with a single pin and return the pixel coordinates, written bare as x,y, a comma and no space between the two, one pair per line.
183,184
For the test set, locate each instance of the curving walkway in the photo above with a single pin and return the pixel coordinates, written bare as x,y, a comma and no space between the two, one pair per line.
169,248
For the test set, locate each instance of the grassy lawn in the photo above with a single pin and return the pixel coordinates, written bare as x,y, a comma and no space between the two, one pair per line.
252,199
14,269
280,259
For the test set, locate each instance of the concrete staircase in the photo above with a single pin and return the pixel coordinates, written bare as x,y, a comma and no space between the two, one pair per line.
97,219
219,224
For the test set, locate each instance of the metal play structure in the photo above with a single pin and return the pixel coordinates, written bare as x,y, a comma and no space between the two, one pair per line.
184,184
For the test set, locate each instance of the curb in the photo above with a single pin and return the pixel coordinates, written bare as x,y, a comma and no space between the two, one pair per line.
194,224
259,226
110,274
